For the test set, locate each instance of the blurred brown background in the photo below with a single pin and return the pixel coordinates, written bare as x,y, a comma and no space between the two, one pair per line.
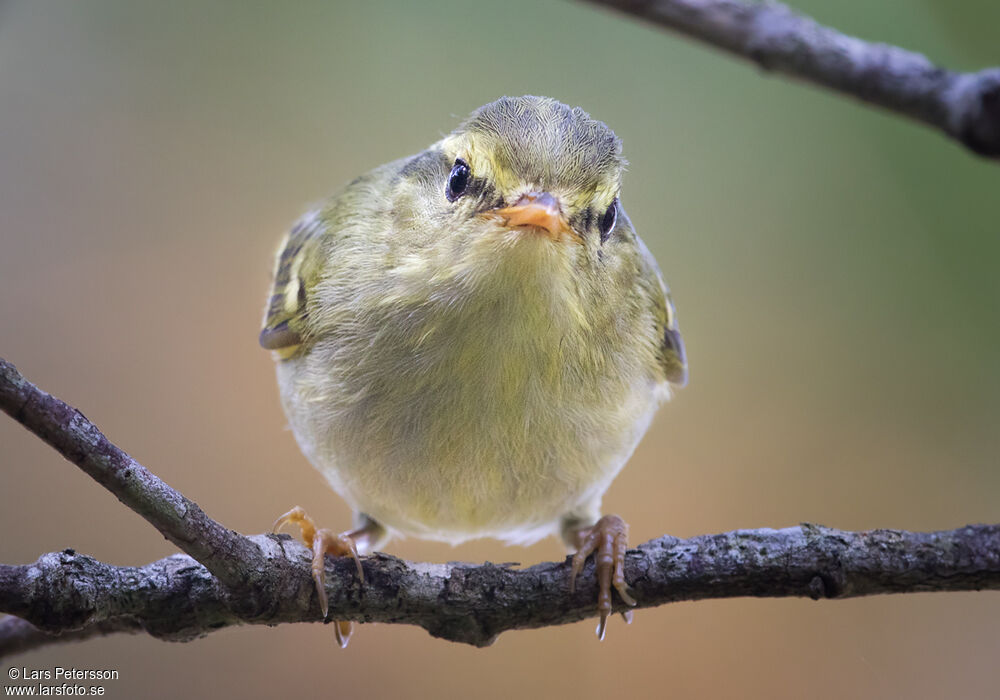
834,269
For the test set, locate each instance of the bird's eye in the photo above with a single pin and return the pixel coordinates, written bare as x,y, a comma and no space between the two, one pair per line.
458,181
609,220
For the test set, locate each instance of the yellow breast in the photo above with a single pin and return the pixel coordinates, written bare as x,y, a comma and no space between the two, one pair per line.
488,401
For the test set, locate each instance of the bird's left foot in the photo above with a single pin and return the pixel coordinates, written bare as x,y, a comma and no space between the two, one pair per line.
324,541
608,537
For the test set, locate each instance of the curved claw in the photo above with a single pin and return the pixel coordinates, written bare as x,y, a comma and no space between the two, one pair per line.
324,542
327,542
343,629
608,537
297,516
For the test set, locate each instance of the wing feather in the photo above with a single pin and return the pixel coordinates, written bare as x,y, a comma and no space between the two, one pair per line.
295,271
673,359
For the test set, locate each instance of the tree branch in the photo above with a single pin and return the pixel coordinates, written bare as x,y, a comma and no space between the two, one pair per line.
230,579
231,557
18,636
966,106
177,599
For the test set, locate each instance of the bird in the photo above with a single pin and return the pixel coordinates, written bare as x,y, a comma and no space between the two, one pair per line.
471,341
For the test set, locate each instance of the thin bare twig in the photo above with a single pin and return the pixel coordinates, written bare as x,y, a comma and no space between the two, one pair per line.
965,106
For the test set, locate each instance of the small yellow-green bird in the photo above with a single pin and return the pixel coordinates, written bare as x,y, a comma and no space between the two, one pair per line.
471,341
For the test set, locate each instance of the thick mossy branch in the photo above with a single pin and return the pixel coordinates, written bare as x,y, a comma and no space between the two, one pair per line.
966,106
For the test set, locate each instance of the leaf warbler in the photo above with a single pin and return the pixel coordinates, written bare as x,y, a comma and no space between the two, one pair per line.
471,341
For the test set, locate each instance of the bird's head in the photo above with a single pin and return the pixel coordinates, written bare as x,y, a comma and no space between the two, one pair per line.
521,198
536,167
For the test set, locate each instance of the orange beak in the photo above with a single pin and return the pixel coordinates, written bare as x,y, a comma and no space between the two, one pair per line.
539,209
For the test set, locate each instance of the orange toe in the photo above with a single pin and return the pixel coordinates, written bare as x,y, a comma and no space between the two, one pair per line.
608,540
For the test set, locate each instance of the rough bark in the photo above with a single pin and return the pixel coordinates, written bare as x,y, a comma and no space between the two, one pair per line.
231,557
965,106
231,579
177,599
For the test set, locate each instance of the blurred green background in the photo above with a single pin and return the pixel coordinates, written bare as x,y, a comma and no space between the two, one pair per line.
834,269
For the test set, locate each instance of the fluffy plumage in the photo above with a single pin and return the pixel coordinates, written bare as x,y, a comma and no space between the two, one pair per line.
455,377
